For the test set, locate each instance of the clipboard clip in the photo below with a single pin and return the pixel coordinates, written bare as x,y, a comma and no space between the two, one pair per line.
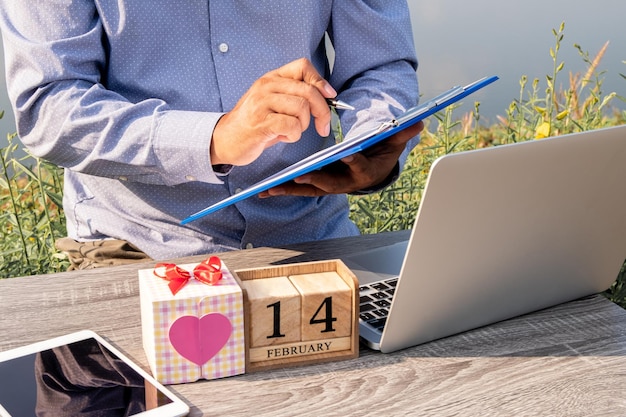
431,104
416,111
387,125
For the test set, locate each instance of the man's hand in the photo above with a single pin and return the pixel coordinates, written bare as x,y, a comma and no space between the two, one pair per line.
355,172
277,108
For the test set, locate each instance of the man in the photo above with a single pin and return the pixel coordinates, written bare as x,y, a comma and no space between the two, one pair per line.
157,109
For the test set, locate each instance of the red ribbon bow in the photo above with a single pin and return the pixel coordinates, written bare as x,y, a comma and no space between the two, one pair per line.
208,272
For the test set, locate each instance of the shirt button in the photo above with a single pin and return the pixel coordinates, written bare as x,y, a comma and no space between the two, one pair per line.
190,178
249,246
223,47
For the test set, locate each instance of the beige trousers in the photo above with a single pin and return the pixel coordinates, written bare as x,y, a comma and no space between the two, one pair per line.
99,253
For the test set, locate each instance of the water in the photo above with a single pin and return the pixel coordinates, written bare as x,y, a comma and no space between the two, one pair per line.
460,41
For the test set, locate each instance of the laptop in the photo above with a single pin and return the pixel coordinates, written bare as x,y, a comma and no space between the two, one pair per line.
500,232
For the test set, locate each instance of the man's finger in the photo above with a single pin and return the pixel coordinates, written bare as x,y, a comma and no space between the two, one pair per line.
294,106
301,190
300,79
303,70
281,128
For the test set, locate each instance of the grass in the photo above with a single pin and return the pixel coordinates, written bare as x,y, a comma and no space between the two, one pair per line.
31,189
31,218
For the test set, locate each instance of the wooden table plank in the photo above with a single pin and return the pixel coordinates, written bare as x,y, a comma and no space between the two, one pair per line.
568,360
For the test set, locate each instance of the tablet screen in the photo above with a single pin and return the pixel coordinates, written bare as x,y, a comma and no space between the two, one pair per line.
81,378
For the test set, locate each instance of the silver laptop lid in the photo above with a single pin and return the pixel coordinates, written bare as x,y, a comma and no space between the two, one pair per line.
512,229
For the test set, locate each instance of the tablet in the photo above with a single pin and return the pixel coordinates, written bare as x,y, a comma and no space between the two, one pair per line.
348,147
80,374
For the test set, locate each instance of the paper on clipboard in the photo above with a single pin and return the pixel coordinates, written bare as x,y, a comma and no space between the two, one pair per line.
348,147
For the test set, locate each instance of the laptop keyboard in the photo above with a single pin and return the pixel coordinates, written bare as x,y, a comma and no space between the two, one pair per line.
375,302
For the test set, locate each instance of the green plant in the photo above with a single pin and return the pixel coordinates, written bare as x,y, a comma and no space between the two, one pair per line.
617,292
32,218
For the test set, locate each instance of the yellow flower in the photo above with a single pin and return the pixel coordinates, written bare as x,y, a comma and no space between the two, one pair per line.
562,115
542,131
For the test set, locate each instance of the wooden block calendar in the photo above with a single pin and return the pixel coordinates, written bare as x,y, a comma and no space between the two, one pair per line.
299,314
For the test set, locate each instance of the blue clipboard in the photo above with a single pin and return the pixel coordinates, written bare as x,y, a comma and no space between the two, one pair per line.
348,147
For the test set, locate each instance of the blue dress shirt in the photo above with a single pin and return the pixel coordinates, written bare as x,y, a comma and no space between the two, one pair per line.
125,95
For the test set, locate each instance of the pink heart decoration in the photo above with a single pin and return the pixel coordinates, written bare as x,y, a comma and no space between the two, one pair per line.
199,339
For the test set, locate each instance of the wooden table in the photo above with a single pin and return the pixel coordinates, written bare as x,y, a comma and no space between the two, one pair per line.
569,360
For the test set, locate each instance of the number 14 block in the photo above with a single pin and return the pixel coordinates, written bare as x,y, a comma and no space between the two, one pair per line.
299,314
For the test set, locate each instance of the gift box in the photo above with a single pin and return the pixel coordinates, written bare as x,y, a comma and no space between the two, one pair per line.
192,319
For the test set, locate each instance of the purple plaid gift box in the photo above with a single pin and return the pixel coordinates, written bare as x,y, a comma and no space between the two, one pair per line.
198,333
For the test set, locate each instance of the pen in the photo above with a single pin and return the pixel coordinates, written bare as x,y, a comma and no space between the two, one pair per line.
338,104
